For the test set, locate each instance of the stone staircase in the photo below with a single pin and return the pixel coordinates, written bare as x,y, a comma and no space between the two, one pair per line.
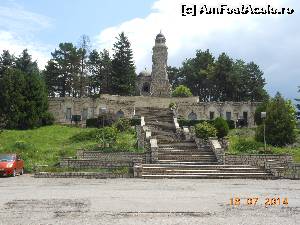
179,158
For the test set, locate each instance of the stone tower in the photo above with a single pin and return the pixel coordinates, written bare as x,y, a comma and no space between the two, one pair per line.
160,85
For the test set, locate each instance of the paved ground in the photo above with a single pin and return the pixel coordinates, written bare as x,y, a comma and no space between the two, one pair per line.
25,200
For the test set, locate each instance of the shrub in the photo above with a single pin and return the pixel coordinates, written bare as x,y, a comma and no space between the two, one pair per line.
172,105
231,124
47,119
92,122
182,91
107,136
221,126
188,123
125,142
205,130
102,120
122,124
135,121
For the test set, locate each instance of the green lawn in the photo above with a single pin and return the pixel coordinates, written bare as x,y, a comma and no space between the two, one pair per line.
45,145
241,141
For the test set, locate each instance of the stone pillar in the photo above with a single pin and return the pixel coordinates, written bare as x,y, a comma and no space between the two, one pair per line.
137,170
154,150
160,85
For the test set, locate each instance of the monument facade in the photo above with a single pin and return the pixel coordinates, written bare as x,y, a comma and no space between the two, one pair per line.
155,91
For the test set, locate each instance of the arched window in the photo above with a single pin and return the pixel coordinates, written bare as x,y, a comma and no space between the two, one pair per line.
146,87
119,114
192,116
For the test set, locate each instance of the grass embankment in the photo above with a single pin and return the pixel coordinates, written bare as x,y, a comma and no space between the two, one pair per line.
46,145
242,141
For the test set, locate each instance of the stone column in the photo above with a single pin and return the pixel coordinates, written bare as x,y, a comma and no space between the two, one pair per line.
154,150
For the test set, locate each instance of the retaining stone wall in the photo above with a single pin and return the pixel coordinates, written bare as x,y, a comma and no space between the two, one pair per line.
88,175
256,160
293,171
88,163
110,156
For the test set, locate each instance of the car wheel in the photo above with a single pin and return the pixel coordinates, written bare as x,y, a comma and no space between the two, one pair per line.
22,171
14,173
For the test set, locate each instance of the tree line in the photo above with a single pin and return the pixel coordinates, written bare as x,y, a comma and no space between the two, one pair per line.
77,71
221,79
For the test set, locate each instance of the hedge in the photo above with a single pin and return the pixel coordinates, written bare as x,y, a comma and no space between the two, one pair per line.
188,123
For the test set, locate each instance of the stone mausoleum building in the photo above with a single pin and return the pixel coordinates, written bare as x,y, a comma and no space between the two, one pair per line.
155,91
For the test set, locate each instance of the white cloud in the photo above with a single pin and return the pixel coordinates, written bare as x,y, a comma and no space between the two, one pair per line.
17,32
15,45
270,41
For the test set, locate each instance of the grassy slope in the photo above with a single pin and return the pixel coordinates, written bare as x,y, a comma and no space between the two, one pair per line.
43,145
248,134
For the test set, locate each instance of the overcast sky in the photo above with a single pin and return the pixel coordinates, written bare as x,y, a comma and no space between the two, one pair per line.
271,41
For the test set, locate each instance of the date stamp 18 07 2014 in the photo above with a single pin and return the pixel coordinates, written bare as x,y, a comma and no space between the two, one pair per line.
252,201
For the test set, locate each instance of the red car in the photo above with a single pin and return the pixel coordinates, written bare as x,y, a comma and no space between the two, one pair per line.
11,165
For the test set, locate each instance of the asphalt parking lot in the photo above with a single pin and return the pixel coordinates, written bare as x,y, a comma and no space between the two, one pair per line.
28,200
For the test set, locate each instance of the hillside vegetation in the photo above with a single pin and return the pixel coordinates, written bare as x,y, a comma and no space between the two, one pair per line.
46,145
242,141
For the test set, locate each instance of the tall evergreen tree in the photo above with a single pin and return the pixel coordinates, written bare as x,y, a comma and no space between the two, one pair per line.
123,68
95,70
65,69
83,52
100,69
23,97
6,61
280,122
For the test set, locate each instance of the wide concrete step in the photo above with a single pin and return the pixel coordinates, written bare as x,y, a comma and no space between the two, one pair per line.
200,171
183,151
189,165
203,171
160,117
151,109
187,157
181,145
208,176
163,132
195,162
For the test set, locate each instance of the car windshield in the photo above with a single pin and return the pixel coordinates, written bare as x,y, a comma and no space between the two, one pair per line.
6,158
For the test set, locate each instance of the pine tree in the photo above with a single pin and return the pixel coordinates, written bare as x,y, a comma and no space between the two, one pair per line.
100,69
23,97
62,71
6,61
123,68
83,52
